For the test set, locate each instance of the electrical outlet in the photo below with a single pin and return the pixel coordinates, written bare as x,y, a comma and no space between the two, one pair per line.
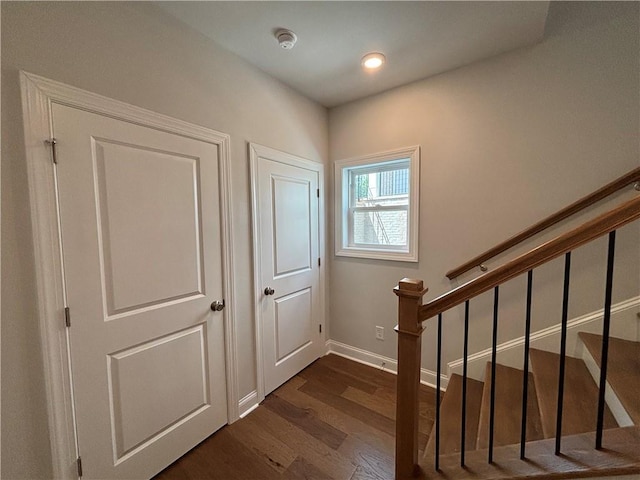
380,333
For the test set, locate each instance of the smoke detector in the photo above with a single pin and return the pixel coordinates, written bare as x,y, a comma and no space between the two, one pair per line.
286,39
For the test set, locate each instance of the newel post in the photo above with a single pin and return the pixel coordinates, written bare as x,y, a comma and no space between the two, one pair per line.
409,329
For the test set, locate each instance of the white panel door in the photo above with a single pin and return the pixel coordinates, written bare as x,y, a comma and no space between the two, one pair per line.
140,223
289,294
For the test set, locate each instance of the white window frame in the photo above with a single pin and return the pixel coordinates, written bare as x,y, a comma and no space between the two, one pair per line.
344,246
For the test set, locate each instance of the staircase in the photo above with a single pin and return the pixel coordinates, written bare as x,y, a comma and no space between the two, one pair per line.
549,420
621,438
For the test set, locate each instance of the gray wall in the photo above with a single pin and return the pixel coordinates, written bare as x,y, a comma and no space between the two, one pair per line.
504,143
138,55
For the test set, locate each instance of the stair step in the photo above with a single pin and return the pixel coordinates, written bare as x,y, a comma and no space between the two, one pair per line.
508,408
450,415
623,370
579,459
580,410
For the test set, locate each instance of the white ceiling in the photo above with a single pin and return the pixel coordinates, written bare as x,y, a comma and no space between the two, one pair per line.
419,39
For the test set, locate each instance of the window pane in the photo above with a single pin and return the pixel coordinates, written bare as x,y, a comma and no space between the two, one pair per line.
395,182
390,187
380,227
361,183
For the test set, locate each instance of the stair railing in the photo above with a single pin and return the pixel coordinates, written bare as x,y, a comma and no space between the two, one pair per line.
412,313
632,177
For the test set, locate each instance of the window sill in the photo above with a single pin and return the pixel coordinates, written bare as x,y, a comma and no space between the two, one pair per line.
375,254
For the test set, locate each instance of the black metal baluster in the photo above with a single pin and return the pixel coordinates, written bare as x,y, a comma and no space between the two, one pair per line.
563,348
493,372
525,376
605,338
437,462
464,383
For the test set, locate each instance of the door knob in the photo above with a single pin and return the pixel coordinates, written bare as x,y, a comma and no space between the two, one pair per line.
216,306
269,291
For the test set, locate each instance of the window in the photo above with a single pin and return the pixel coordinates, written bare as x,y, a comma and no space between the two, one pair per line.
377,205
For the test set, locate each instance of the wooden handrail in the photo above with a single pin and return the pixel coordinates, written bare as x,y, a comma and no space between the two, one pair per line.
594,197
601,225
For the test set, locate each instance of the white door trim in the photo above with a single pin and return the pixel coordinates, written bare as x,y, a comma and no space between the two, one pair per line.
38,94
256,151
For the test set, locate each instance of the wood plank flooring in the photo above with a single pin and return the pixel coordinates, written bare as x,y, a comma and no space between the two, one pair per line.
579,459
334,420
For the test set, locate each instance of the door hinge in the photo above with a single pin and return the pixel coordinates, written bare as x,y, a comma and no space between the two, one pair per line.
67,317
319,261
318,192
52,143
320,327
79,462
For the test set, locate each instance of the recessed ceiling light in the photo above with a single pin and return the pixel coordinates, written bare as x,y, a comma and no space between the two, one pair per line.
372,61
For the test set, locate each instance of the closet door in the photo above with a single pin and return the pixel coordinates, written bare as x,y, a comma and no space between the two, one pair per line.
141,241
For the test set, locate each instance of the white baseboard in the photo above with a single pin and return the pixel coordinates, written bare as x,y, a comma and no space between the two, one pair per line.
624,324
427,377
248,403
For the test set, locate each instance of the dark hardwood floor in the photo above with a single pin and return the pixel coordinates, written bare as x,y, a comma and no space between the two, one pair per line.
334,420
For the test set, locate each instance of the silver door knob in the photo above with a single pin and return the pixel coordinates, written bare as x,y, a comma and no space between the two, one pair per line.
216,306
269,291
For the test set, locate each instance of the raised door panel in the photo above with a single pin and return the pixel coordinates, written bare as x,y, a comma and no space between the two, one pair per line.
292,225
293,324
143,382
150,225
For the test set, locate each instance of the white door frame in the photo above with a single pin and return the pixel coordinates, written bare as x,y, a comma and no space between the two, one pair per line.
38,94
255,152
